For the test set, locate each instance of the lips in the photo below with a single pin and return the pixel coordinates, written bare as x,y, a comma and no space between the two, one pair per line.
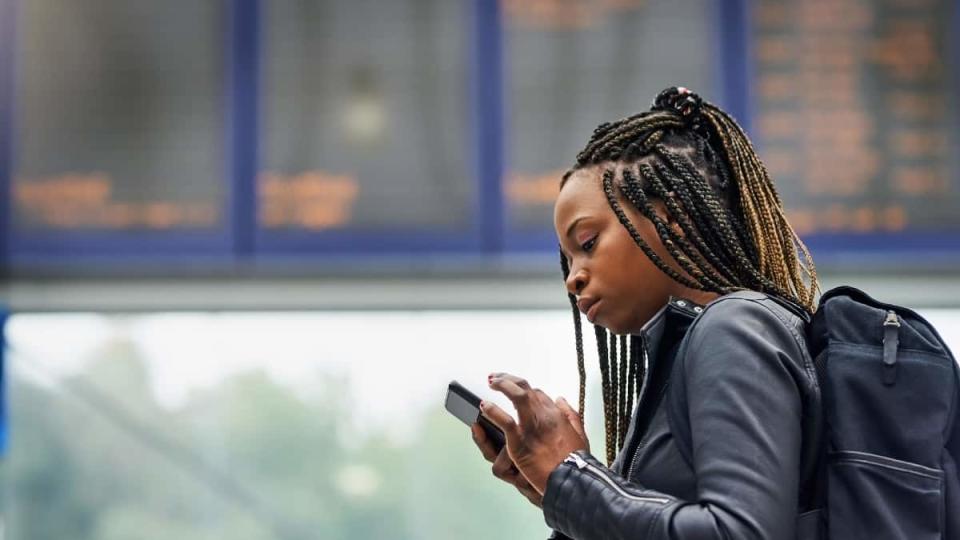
586,306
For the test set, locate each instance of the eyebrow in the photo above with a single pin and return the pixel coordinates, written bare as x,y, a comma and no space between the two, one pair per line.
574,224
570,230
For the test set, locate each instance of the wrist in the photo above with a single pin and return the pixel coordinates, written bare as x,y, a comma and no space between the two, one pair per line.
555,495
544,478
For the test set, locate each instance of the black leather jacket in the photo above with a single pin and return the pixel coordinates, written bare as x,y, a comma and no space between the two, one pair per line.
717,445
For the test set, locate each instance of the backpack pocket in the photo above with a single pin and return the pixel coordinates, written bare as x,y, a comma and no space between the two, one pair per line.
880,498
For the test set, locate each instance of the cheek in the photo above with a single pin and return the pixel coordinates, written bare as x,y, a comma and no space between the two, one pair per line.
627,271
648,272
639,287
634,267
636,276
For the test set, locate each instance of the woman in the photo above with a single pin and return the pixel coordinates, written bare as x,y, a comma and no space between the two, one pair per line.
674,244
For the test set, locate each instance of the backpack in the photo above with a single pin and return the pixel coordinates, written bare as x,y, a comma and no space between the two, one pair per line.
890,441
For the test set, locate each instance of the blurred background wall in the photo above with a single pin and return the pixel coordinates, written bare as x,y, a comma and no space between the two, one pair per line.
244,244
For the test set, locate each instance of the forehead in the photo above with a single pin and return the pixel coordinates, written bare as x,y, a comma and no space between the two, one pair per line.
582,194
583,190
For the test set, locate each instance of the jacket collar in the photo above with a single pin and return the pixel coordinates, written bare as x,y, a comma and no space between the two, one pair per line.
668,324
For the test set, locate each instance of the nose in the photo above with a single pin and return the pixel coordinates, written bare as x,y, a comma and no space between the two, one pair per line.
576,281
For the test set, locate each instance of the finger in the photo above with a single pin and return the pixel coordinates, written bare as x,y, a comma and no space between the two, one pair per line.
523,385
519,381
503,467
524,400
484,443
509,388
527,401
511,385
545,400
500,418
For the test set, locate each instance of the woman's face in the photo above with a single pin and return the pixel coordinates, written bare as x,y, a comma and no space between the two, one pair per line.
616,285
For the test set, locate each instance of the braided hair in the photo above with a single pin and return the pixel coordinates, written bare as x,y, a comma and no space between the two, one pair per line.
698,161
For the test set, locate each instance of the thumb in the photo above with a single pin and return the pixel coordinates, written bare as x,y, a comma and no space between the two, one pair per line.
572,415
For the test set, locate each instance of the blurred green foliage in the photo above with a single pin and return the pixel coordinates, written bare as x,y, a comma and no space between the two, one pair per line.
93,456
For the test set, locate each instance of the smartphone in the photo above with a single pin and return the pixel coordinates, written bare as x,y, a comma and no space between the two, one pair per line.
465,405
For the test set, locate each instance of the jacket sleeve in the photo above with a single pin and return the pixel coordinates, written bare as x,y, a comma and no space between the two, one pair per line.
744,407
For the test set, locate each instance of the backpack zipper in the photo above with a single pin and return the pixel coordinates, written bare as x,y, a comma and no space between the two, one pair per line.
891,340
581,464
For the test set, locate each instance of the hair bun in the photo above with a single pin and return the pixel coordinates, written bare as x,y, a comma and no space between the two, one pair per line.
682,101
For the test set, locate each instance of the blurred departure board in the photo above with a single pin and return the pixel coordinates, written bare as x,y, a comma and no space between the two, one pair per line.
857,114
367,126
119,116
366,117
573,64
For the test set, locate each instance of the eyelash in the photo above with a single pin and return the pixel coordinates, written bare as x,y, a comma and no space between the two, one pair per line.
592,243
584,247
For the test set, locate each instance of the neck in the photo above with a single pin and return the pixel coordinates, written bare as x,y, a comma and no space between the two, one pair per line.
696,296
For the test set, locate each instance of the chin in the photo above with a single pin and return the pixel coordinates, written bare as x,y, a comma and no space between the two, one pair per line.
622,327
614,327
613,323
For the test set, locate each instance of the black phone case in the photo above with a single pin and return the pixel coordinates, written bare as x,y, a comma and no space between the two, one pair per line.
469,412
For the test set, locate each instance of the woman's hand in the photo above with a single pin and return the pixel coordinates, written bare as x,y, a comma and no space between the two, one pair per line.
547,432
503,468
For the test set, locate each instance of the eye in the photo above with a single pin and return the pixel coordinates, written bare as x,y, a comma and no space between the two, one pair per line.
588,245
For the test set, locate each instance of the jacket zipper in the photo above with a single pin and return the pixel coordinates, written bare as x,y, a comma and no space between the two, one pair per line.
643,392
584,464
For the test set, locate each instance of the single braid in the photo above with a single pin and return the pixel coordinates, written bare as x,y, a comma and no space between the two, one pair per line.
578,338
607,384
623,413
632,385
614,387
